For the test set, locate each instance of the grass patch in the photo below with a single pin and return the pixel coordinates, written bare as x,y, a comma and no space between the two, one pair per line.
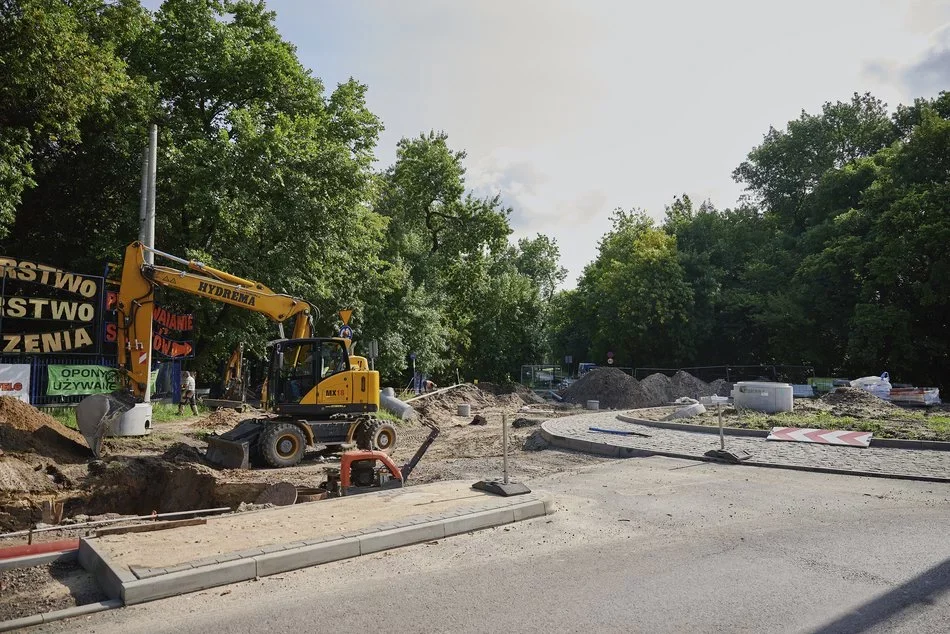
65,415
168,413
910,425
384,414
940,425
161,413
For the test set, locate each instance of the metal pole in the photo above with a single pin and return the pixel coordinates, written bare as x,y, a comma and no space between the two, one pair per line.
504,445
722,436
152,172
143,204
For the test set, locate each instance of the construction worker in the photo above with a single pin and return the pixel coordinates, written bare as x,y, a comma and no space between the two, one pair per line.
430,385
188,393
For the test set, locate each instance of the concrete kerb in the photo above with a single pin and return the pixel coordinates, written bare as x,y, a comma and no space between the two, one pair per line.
614,451
887,443
200,575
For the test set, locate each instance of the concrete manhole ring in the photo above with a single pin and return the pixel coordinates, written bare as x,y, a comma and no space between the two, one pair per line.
280,494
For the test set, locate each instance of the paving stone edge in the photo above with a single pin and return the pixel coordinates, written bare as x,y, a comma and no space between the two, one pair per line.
614,451
886,443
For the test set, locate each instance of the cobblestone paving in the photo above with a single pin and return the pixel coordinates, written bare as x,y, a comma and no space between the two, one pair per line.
907,462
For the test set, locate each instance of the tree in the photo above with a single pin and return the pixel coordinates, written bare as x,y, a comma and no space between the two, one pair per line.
785,169
636,291
59,66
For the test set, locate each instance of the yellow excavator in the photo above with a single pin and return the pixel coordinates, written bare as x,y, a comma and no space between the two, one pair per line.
318,393
233,388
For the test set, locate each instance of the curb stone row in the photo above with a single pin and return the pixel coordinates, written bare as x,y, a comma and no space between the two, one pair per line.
573,432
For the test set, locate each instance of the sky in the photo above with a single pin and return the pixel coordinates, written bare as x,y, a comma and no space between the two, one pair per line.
572,108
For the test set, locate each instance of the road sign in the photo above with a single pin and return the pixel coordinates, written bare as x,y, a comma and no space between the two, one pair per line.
373,349
569,359
610,361
821,436
346,332
412,355
345,316
610,355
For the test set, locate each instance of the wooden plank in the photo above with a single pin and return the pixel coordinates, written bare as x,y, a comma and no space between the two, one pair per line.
152,526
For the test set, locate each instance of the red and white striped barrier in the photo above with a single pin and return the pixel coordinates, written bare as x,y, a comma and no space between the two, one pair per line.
822,436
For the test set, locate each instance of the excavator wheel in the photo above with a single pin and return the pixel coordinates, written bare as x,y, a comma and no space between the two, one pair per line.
282,444
379,435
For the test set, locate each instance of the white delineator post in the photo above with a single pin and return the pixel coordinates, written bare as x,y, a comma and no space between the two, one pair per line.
504,446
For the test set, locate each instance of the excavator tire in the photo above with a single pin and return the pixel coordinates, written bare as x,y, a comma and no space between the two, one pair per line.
282,444
378,435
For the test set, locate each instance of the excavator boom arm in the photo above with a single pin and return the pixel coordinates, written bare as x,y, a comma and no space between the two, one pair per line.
136,304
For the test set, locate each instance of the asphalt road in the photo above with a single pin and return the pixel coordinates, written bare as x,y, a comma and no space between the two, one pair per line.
642,545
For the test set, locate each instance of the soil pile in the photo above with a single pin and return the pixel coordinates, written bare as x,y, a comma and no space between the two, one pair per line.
18,476
658,389
614,389
220,419
442,408
852,401
526,395
685,384
23,428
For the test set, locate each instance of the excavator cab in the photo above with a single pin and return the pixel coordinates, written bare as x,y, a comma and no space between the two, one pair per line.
318,377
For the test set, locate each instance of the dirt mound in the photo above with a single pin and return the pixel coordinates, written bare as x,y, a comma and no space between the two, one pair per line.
525,394
685,384
614,389
18,476
852,401
182,453
220,418
23,428
658,389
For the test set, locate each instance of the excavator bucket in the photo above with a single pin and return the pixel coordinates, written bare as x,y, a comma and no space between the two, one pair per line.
232,450
228,454
96,415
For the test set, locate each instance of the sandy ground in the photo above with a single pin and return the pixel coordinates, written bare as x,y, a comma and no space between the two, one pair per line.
163,549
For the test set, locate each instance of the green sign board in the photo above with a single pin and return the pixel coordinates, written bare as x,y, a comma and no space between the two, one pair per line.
73,380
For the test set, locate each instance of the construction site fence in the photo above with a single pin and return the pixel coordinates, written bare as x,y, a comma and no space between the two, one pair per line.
167,385
795,374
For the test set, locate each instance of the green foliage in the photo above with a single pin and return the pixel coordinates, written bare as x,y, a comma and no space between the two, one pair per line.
839,260
634,293
59,67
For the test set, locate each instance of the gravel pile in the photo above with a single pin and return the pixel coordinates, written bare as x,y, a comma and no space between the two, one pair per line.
658,389
685,384
852,401
614,388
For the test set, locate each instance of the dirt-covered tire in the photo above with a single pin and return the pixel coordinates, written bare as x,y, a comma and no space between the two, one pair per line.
282,444
378,435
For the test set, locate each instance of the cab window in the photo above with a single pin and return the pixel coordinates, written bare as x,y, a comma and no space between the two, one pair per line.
297,371
333,358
